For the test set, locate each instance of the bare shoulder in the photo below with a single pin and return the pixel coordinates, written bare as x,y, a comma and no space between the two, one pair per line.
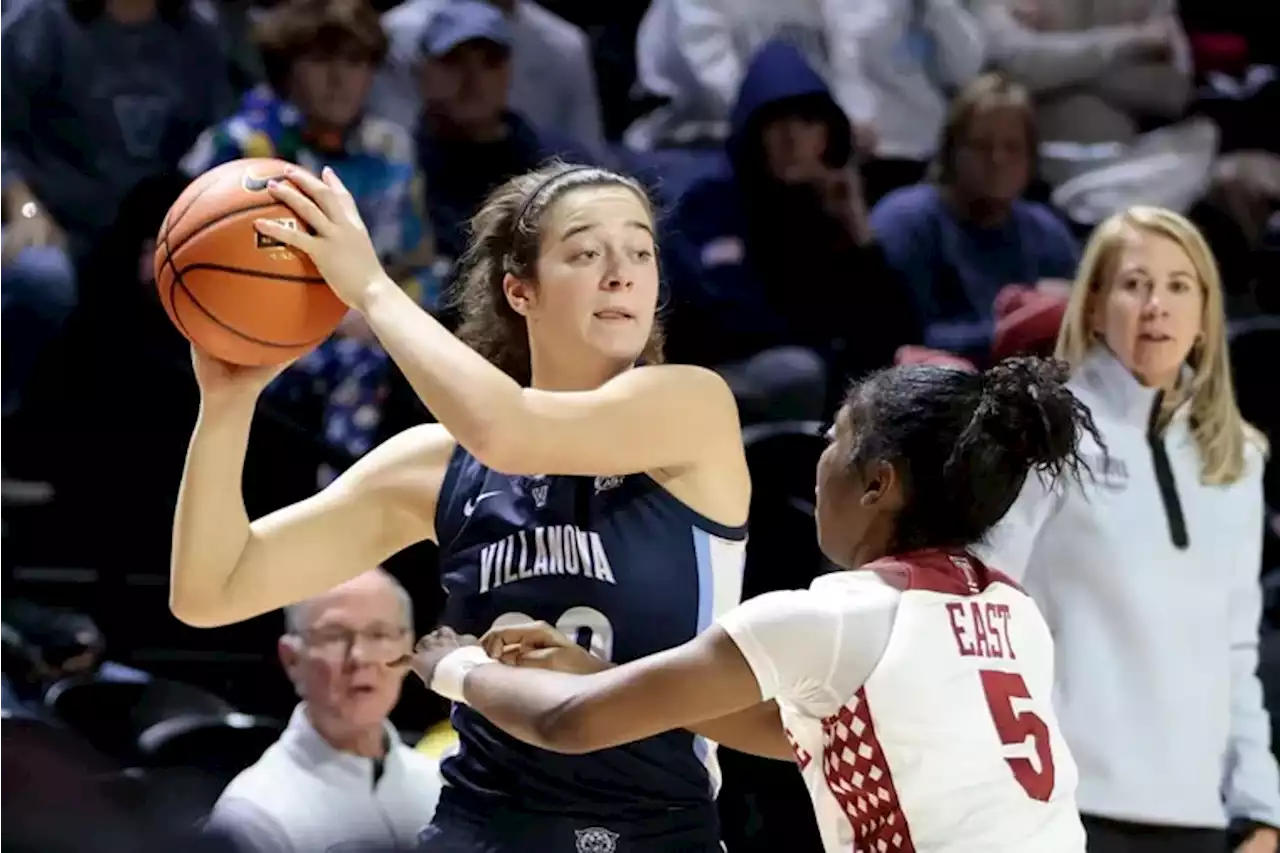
718,485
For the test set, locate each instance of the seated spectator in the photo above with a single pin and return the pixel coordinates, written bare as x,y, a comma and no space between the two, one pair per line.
1112,83
1028,320
339,777
695,54
469,139
98,95
553,81
320,57
889,65
957,241
771,262
913,58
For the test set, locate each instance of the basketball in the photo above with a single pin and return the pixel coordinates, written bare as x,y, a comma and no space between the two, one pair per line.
236,294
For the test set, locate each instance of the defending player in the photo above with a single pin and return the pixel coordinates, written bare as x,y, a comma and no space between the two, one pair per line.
914,689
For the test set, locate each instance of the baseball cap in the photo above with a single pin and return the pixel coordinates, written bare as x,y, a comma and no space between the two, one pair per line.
461,21
911,355
1027,321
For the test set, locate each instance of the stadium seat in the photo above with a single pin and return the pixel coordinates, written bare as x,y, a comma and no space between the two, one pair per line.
782,551
219,743
111,714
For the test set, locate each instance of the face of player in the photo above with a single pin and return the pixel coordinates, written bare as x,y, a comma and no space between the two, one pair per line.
597,288
794,148
339,664
1151,310
467,87
331,89
993,156
851,503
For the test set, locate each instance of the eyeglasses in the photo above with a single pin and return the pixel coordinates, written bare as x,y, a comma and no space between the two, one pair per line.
379,642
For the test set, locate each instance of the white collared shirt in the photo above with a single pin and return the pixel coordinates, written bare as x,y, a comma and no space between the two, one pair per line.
304,796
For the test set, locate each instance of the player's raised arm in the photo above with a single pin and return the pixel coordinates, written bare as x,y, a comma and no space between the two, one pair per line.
225,569
644,419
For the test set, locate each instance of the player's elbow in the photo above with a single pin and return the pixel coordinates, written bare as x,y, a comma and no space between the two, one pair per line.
566,730
193,613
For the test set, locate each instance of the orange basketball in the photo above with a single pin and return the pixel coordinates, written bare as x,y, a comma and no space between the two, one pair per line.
235,294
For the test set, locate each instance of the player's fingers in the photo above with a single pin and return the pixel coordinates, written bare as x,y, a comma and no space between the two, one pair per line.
293,237
492,644
317,190
532,635
341,193
307,209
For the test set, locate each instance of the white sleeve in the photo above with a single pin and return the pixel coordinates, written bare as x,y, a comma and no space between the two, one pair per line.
811,649
1047,61
851,27
961,45
1009,545
704,37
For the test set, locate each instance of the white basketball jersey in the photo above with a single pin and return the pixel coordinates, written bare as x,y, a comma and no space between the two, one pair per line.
944,738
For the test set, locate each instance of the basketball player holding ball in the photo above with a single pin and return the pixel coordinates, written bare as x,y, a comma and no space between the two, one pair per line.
572,480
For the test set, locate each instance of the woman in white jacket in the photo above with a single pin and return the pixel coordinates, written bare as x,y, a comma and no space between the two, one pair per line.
1147,572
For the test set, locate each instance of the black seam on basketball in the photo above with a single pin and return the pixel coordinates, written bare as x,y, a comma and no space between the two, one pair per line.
220,218
174,222
276,276
176,278
240,334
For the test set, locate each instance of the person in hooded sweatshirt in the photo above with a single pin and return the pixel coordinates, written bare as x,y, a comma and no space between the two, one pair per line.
776,279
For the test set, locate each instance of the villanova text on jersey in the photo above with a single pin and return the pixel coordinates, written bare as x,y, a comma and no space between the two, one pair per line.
615,563
561,549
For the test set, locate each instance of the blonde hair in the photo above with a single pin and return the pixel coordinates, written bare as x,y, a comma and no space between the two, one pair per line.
1220,432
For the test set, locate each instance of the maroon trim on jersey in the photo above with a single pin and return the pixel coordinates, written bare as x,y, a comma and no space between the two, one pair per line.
933,570
857,774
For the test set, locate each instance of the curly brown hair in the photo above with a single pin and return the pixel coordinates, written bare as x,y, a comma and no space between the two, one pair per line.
506,237
297,28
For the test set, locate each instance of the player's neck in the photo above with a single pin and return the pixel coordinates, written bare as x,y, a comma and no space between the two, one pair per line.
549,374
131,11
875,545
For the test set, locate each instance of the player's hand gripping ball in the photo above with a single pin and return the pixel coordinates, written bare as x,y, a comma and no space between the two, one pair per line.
238,294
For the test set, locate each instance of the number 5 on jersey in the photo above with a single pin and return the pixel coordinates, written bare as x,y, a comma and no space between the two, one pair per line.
1015,726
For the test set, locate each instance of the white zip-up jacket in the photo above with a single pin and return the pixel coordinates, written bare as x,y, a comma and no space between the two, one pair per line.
1148,580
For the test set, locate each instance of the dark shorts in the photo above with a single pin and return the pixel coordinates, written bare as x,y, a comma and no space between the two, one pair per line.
1116,836
464,826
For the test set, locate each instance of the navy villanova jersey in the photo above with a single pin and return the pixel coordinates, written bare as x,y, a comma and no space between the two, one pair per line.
616,563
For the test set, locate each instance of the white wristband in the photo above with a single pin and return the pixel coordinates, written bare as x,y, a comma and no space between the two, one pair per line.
452,669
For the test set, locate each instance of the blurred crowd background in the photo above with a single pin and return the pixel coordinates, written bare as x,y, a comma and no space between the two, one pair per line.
843,184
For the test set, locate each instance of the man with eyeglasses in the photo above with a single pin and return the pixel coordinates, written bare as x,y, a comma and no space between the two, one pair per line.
339,777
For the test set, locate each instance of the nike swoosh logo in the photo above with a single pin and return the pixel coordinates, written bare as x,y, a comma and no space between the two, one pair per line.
255,184
470,506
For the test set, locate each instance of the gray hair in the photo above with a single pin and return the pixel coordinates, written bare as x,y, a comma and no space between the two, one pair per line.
297,617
